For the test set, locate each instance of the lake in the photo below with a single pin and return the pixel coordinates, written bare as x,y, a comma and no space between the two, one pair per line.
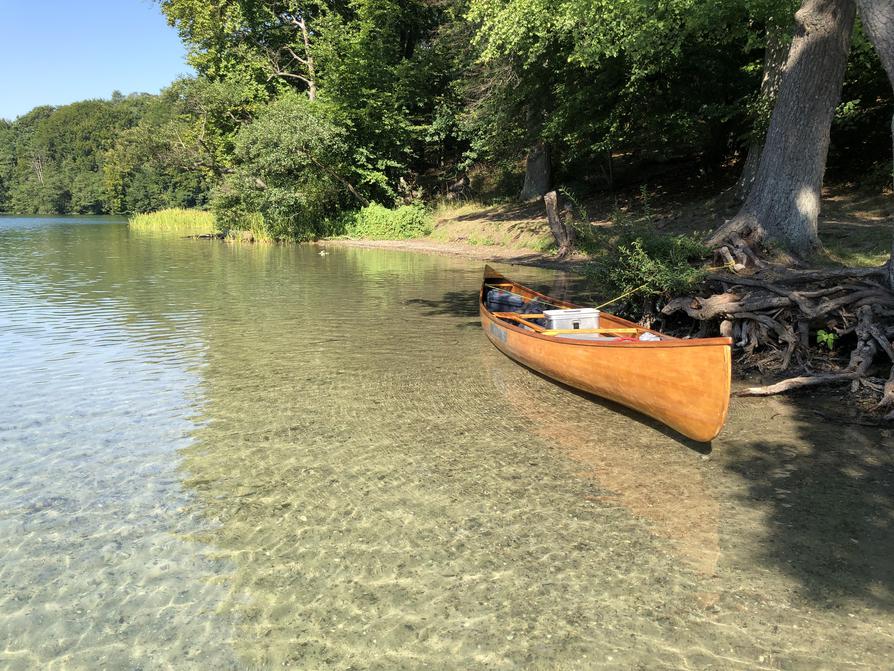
236,456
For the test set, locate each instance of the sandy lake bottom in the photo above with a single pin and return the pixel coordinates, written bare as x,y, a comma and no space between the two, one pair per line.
245,456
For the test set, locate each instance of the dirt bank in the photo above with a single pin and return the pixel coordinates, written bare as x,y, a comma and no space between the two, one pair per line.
856,226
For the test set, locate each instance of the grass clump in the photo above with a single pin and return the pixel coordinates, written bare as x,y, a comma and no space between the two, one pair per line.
377,222
174,221
858,259
251,227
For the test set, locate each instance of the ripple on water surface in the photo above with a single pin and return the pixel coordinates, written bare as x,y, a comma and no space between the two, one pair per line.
219,456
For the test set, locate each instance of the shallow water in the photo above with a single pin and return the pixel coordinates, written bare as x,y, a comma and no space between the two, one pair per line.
239,457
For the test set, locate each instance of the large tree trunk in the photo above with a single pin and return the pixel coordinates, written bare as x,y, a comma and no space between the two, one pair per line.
774,63
878,24
538,172
784,202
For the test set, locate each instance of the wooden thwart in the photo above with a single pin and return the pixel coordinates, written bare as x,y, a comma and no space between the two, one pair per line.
514,316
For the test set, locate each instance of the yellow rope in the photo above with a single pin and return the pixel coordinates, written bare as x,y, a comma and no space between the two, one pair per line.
624,295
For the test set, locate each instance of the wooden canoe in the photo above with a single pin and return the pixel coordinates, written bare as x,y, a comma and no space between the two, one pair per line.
683,383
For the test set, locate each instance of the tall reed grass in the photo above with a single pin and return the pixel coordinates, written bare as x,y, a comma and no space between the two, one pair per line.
251,227
174,221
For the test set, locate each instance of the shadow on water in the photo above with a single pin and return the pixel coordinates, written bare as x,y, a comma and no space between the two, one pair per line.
642,473
830,499
465,303
452,303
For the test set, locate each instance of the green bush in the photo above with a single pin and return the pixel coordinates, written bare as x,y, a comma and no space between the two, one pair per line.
377,222
294,162
636,257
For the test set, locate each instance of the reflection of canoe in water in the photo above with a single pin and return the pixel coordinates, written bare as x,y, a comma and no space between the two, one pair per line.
682,383
656,483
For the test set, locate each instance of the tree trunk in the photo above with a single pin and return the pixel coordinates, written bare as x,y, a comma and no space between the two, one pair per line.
774,62
878,24
562,232
784,202
308,60
538,172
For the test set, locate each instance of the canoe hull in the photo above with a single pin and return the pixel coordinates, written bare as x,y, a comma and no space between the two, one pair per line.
684,384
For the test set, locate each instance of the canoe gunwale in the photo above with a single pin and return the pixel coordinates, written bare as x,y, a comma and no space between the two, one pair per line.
676,342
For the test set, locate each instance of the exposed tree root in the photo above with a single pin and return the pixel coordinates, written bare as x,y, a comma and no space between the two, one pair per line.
771,311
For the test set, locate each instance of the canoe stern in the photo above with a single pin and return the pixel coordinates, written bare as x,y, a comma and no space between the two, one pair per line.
682,383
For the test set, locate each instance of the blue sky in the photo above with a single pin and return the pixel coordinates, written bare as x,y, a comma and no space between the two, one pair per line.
56,52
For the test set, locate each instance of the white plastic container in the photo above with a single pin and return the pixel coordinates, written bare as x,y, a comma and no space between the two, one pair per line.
581,318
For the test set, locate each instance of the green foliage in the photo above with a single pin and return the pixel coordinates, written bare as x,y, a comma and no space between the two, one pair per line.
376,222
379,64
7,162
174,221
294,169
180,148
594,77
861,130
57,155
635,257
826,338
254,45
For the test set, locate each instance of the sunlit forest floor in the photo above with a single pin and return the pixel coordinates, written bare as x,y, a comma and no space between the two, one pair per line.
857,227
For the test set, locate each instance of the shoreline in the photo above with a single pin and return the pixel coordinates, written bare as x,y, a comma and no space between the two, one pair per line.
827,401
494,253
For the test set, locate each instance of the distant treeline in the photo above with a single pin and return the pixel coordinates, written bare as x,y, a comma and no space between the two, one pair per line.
98,157
303,111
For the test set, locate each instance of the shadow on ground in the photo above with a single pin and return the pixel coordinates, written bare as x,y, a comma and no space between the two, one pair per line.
514,212
831,506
